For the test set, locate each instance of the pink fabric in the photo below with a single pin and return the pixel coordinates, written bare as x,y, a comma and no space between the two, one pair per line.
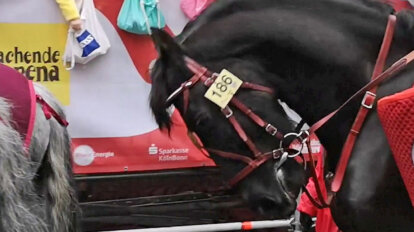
32,115
19,91
192,8
324,221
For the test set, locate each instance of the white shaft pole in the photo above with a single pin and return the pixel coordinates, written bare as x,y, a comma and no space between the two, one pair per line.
218,227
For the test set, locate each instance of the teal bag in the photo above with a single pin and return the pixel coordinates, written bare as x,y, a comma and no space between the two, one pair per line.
138,16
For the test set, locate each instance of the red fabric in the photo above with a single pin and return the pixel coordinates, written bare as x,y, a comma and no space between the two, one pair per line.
399,5
324,221
396,113
247,226
366,106
19,91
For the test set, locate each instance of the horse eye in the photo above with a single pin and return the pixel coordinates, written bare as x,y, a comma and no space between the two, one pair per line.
201,119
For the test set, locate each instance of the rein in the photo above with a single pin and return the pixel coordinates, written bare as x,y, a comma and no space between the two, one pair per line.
202,74
366,105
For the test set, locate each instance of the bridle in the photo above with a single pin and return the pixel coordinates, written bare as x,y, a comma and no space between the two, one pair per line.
207,78
282,153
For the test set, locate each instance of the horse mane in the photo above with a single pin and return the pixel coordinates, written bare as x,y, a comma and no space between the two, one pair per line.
293,39
327,42
18,191
56,168
293,31
297,31
223,8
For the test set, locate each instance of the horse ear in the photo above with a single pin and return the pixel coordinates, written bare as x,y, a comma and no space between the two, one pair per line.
165,44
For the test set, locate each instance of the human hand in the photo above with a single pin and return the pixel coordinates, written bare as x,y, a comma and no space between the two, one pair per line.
75,24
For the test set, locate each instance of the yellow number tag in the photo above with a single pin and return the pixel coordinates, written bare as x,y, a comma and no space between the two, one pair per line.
223,88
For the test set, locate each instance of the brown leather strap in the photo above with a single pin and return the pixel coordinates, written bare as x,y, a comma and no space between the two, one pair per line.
230,155
248,169
239,129
312,199
257,87
186,99
272,130
251,164
391,71
201,73
366,105
323,203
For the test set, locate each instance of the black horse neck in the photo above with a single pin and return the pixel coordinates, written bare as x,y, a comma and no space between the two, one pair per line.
332,85
326,62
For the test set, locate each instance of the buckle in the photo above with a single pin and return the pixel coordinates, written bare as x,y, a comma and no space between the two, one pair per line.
368,95
271,129
227,112
208,82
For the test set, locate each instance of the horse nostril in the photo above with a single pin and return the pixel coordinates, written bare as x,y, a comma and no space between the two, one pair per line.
274,207
267,203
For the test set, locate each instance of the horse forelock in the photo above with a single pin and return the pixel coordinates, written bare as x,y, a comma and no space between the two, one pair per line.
159,94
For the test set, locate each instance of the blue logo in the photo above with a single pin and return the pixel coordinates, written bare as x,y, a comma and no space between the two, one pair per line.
87,42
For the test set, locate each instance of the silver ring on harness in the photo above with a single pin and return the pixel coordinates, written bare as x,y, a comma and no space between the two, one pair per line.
302,136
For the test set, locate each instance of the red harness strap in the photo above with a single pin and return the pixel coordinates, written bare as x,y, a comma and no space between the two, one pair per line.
239,129
252,164
202,74
366,105
322,202
50,112
272,130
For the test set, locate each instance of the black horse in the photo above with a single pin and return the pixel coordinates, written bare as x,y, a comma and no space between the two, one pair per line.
314,55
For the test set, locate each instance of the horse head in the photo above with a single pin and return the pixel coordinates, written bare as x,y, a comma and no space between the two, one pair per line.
273,186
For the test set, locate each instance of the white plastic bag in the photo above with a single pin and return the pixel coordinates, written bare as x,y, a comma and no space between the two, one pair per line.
90,42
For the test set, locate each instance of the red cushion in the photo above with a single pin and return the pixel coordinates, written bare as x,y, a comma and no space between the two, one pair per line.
396,113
